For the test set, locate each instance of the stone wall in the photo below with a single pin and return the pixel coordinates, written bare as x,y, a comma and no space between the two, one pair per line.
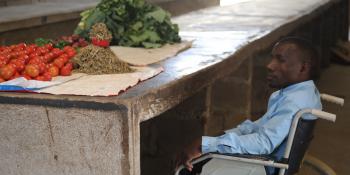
38,140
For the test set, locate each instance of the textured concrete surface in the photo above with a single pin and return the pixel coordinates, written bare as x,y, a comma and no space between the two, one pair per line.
38,140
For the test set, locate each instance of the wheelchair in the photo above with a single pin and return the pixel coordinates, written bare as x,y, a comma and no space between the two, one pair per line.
299,138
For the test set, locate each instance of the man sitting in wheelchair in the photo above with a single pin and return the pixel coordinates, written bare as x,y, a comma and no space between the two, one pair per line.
293,67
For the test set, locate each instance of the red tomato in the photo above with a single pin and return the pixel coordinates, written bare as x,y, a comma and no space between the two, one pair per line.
2,63
4,59
16,75
25,58
47,76
7,50
25,52
69,65
50,56
12,47
47,58
32,70
35,60
1,80
42,67
40,78
7,72
59,62
71,53
68,48
48,66
57,52
22,52
65,57
29,50
34,54
18,64
38,51
26,76
18,49
66,70
54,71
21,45
13,55
45,51
49,46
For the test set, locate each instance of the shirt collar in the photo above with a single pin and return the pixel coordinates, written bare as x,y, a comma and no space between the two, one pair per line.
295,86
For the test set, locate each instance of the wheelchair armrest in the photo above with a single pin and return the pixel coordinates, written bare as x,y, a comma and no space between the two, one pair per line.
252,159
250,156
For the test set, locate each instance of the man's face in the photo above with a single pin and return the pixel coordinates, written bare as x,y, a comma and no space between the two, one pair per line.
285,66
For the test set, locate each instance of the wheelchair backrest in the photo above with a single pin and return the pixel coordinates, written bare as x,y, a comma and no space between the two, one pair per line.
301,142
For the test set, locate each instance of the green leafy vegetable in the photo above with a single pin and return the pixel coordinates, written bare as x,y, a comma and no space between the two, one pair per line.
133,23
42,41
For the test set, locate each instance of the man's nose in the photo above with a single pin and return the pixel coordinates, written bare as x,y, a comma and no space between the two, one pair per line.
271,65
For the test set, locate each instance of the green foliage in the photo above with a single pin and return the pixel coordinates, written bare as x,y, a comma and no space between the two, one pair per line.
42,41
132,23
57,44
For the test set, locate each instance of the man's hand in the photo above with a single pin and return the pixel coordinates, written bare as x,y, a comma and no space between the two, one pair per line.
190,152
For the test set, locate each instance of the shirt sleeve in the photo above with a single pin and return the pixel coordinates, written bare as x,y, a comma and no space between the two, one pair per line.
263,140
245,127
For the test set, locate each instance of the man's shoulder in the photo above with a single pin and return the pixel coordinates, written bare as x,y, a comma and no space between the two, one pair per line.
304,97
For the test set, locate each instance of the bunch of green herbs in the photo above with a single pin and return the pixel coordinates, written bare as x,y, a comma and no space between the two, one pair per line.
57,43
134,23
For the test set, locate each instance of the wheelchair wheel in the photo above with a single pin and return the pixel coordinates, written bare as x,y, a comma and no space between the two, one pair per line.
314,166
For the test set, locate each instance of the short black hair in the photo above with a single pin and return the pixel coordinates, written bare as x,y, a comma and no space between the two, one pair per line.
308,51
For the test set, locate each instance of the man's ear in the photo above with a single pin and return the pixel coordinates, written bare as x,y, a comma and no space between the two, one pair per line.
305,67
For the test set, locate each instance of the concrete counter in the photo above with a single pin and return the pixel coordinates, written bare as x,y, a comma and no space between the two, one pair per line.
47,134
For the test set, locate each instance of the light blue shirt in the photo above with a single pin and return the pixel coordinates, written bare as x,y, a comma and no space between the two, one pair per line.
267,133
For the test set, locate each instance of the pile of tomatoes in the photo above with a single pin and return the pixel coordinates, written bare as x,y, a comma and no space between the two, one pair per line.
34,62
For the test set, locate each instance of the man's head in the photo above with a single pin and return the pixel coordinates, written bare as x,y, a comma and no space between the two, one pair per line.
293,60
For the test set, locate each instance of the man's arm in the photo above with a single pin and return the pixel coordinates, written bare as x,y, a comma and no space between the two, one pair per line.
244,128
189,153
262,141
